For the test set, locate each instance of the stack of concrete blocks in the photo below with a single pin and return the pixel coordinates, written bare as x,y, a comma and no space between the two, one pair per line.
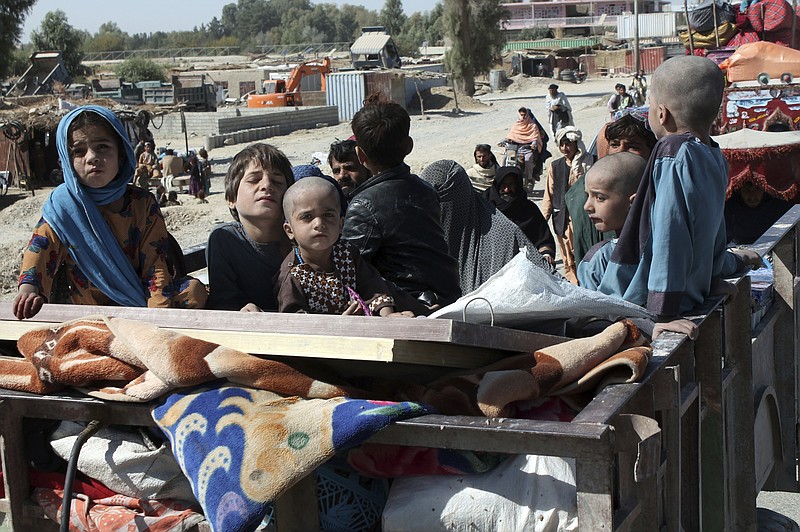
243,125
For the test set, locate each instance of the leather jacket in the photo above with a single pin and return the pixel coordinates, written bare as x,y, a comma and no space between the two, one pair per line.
394,220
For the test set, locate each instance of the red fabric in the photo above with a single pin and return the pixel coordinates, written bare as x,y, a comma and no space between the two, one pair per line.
82,484
775,169
118,513
701,52
744,38
742,22
770,15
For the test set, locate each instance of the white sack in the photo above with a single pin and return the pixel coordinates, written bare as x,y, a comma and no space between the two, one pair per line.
524,493
521,294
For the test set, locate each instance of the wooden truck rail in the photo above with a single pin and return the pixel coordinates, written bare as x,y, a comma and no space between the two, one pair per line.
712,423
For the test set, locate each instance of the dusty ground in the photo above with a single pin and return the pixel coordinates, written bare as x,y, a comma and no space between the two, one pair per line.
442,133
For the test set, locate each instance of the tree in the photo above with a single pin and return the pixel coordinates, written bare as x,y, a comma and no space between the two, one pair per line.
12,16
55,33
474,27
392,17
108,38
136,69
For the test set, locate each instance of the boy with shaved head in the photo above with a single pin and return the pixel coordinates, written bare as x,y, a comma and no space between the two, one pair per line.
323,274
672,245
611,188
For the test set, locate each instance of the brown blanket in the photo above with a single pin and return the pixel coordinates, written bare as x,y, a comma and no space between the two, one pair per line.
134,361
123,360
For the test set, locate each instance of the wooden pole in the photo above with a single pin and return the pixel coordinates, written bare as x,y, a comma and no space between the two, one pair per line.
716,30
688,25
636,59
794,24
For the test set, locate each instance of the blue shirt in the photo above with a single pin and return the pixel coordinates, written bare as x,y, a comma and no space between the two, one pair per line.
673,242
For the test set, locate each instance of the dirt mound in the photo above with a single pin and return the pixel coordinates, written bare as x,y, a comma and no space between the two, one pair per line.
525,83
443,99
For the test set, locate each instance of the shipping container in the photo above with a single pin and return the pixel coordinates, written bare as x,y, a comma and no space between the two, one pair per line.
589,64
649,58
348,90
651,25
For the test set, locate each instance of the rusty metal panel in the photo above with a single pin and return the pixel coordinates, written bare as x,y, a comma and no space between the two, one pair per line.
649,58
378,82
589,64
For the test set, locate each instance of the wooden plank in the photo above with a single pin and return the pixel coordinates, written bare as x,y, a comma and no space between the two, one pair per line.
15,468
784,475
739,416
419,329
594,484
502,435
333,347
708,362
670,414
296,508
691,509
77,408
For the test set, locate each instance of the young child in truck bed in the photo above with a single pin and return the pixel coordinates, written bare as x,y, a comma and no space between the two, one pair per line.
324,274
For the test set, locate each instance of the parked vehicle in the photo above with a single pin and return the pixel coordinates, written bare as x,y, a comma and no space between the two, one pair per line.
286,93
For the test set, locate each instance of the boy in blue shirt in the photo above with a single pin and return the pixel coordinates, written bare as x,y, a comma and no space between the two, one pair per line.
611,188
672,244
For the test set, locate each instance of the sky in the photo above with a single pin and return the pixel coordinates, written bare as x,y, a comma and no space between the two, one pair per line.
146,16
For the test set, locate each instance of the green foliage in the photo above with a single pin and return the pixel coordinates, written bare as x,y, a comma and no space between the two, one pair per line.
55,33
19,61
139,69
474,27
109,38
533,34
420,28
12,16
392,17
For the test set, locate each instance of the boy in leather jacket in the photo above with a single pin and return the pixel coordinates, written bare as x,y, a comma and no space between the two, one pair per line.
394,217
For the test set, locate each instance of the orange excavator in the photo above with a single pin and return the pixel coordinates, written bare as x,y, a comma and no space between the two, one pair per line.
283,93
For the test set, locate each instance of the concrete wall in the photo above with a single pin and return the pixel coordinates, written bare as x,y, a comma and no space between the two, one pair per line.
234,119
252,125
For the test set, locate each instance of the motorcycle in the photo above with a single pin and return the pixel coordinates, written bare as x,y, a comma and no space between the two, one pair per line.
515,154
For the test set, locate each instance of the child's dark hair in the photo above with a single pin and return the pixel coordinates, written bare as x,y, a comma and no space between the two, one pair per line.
266,156
90,118
382,130
343,150
628,127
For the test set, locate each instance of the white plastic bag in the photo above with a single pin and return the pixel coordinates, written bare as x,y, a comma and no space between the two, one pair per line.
521,294
526,493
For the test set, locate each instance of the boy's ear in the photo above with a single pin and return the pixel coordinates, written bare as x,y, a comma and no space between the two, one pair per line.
362,157
231,204
631,198
663,114
408,146
341,224
288,230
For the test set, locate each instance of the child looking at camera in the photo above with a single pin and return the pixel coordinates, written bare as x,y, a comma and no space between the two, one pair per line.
324,274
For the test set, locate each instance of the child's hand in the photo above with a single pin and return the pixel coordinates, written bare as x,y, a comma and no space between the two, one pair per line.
251,307
27,302
678,325
386,312
750,257
353,309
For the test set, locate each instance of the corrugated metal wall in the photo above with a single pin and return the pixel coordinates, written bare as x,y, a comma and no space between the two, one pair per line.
650,25
347,91
649,58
